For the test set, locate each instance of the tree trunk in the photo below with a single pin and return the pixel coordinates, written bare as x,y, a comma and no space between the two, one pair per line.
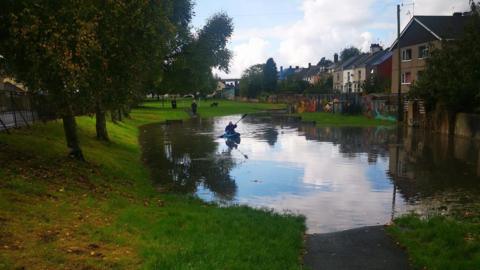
119,115
126,111
113,115
70,128
101,123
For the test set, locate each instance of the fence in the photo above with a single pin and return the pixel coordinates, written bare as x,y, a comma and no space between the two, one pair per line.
374,105
16,108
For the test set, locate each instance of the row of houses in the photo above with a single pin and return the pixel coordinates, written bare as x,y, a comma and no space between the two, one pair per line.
418,38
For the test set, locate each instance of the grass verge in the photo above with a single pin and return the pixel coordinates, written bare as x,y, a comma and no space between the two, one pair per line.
440,242
330,119
225,107
56,213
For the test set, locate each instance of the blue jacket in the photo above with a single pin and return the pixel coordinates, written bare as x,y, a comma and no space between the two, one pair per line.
230,128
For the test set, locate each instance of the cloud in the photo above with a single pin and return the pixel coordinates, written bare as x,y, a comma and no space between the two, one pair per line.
327,27
245,54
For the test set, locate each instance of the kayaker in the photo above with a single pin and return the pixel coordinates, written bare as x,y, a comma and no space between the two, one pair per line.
230,128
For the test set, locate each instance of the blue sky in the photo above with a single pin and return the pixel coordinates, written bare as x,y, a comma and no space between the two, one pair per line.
296,32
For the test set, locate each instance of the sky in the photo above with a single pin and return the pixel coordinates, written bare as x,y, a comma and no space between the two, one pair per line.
298,32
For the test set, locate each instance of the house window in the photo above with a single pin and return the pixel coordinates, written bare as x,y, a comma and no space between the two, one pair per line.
407,55
423,52
406,78
359,75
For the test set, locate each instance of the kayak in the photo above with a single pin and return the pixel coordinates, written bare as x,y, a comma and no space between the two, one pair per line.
231,135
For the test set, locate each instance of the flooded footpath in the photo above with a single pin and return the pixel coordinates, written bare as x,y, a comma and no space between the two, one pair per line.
339,178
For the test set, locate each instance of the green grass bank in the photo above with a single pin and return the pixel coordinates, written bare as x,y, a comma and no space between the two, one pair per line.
56,213
330,119
446,243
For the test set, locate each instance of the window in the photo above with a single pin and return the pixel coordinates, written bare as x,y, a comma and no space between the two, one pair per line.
407,55
359,75
406,78
423,52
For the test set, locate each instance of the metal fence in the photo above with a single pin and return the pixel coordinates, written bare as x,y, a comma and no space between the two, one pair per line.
16,108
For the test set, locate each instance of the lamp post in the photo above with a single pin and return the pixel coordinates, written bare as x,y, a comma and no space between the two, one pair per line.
399,92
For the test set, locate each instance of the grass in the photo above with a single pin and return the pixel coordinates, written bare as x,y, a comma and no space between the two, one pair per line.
56,213
225,107
330,119
439,242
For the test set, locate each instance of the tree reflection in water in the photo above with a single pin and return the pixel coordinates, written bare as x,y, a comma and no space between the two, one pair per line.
181,158
416,171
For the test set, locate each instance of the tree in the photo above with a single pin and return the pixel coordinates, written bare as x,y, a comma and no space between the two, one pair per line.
452,77
376,84
44,45
251,83
348,53
323,86
324,62
90,56
191,68
135,39
294,84
270,76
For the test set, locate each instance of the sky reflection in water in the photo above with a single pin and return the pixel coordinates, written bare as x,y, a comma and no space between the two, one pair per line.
339,178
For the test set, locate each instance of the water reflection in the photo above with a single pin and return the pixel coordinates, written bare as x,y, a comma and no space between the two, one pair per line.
180,162
340,178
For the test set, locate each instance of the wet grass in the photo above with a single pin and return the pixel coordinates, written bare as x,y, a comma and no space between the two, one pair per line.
330,119
56,213
439,242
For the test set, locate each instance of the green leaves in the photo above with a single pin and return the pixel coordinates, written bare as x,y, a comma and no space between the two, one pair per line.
190,69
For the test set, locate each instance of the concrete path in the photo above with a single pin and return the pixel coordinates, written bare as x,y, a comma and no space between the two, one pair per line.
365,248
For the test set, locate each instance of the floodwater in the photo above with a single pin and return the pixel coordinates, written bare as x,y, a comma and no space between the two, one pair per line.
339,178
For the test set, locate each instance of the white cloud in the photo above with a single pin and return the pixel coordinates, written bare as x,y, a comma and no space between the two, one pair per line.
250,52
432,7
440,7
328,27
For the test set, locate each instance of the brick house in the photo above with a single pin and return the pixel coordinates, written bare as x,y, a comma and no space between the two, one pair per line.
418,38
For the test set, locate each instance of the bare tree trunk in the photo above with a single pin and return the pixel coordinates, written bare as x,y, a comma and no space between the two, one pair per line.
113,115
101,123
119,114
70,128
126,111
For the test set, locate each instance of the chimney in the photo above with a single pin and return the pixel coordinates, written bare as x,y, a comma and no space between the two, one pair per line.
297,67
335,58
375,47
290,67
281,69
309,65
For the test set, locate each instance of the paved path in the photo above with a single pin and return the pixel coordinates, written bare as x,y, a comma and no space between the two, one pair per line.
365,248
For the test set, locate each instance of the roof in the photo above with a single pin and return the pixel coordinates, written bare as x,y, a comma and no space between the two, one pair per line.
312,71
373,59
358,61
385,56
333,66
283,74
445,27
344,64
440,27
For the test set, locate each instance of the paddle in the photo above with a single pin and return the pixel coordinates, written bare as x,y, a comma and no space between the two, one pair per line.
243,116
245,156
